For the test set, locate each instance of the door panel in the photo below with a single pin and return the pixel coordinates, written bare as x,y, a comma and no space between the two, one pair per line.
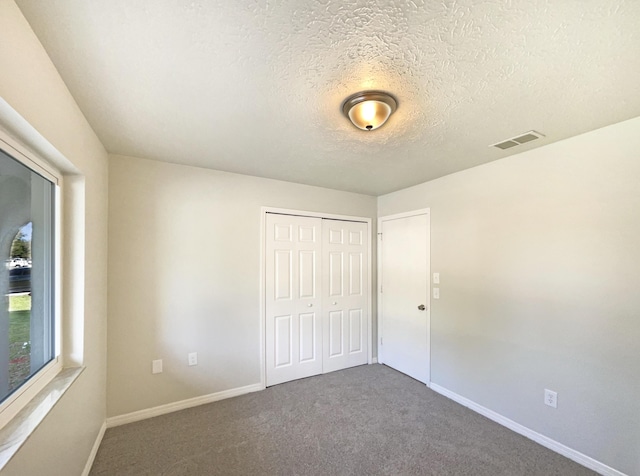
283,232
346,297
335,273
355,274
355,331
307,262
283,345
308,339
283,273
335,236
335,333
306,234
404,281
293,298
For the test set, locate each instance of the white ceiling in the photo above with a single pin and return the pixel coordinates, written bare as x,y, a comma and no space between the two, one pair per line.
256,87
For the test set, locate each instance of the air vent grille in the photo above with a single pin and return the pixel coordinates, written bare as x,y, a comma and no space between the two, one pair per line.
506,144
518,140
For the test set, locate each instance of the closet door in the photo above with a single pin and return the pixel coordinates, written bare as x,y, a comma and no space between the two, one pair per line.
345,294
293,299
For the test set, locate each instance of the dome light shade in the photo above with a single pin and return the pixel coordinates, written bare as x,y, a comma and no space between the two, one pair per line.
370,109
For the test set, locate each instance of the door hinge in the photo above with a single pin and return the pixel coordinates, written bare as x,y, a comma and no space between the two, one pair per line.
380,235
380,340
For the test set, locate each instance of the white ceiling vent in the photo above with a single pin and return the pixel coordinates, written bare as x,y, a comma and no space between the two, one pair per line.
518,140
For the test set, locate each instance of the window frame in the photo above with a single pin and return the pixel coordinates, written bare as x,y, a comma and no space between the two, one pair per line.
36,382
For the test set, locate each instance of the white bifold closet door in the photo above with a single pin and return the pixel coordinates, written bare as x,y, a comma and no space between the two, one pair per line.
345,267
293,327
316,296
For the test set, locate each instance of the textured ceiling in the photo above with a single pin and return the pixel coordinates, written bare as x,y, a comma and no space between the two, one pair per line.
255,87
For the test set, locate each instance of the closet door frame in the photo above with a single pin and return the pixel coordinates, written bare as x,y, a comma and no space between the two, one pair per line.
263,251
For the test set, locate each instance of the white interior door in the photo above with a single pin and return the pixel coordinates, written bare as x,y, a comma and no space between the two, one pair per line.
293,298
404,275
345,319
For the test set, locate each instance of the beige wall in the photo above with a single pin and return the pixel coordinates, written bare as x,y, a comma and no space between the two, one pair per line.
30,84
539,262
184,270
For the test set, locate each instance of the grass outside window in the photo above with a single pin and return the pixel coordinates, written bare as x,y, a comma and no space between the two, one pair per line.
19,339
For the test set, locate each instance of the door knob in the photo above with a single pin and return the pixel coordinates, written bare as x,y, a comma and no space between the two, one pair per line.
309,305
421,307
334,303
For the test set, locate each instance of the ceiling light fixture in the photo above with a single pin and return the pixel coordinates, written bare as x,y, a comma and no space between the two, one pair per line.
368,110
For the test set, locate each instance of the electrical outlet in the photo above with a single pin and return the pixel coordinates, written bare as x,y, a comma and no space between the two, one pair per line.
436,278
550,398
156,366
436,293
193,358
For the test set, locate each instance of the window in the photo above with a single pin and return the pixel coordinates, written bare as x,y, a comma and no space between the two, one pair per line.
27,265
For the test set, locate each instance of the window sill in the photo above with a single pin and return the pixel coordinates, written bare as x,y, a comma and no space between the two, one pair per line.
21,426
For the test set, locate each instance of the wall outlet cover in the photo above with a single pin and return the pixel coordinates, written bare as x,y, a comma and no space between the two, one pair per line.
550,398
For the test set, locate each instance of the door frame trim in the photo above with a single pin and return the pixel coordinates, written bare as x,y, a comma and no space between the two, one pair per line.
381,220
263,281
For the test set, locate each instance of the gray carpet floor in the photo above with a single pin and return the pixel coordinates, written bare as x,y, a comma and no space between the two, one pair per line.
368,420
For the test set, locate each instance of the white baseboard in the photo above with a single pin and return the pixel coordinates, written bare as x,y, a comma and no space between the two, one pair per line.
94,450
181,405
374,360
539,438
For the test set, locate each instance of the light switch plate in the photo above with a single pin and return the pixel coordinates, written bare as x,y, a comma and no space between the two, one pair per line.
436,278
156,366
436,293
